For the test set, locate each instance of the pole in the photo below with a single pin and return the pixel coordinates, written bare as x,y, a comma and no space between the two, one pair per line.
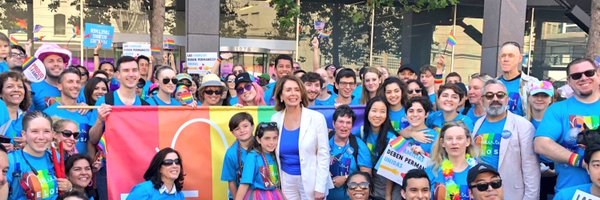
372,33
297,33
81,17
453,31
531,31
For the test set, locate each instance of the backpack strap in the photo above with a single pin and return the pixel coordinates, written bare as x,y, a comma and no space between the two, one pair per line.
354,146
109,98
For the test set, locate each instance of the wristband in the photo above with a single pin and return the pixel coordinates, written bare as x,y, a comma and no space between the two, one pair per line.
439,76
575,160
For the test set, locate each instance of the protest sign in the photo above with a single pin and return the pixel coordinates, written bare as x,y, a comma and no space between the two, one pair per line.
200,62
136,49
398,158
581,195
95,33
34,69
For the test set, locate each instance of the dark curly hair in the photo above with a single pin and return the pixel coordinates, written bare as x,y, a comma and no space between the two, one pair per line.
153,172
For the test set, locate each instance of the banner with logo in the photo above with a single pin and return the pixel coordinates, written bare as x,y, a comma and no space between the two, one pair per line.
200,62
398,158
134,135
95,33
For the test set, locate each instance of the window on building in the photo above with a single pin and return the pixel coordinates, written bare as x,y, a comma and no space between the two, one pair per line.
59,24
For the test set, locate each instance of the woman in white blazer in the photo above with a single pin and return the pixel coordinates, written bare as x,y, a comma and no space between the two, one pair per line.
303,148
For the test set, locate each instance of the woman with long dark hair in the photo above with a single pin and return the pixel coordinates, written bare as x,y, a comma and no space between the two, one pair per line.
94,89
79,171
164,173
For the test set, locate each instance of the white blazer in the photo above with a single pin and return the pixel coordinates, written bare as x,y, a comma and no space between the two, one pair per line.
518,164
314,151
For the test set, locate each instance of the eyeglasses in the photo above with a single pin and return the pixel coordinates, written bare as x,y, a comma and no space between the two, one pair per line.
169,162
578,75
485,186
490,95
211,92
230,81
346,84
68,134
355,185
173,80
417,91
18,55
267,125
241,90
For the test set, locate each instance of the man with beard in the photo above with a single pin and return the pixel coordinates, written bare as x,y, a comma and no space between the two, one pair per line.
314,88
69,86
556,136
345,84
55,60
505,142
283,67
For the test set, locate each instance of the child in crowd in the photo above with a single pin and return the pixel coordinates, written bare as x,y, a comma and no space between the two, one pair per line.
241,126
4,50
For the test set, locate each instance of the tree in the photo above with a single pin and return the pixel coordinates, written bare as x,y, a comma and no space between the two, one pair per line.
593,46
157,26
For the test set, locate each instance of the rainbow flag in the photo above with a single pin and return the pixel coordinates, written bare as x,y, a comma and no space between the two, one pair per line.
451,39
325,34
398,143
155,51
37,39
169,44
201,136
28,62
13,41
21,23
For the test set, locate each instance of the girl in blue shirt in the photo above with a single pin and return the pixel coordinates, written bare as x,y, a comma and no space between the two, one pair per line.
417,110
395,94
241,126
449,97
166,87
260,177
164,178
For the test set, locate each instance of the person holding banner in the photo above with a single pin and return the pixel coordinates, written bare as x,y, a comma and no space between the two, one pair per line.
249,93
372,80
475,96
55,60
211,90
453,157
395,94
303,150
417,110
166,87
449,97
349,153
164,178
17,98
241,126
79,171
590,190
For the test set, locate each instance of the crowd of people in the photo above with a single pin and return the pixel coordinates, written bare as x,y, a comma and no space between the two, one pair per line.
509,137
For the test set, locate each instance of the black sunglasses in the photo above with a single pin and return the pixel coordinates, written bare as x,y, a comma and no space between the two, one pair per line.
68,133
484,186
578,75
490,95
355,185
169,162
267,125
173,80
211,92
417,91
241,90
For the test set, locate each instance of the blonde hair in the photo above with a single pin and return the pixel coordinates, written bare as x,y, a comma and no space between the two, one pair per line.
365,93
439,153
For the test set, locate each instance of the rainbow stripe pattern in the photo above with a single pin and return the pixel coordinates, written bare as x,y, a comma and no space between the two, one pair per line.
489,143
398,144
43,185
452,39
169,44
13,41
155,51
28,62
325,34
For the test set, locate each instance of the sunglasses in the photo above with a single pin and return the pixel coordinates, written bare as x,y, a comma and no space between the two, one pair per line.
484,186
490,95
241,90
267,125
578,75
211,92
417,91
169,162
173,80
355,185
68,134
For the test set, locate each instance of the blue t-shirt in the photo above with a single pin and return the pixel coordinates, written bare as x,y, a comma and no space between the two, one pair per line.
535,123
4,66
436,120
371,141
328,102
471,114
44,95
117,102
433,99
44,184
427,147
145,190
460,178
83,121
155,101
358,92
233,164
145,89
289,151
81,98
234,100
562,122
343,163
398,119
14,128
488,139
4,113
568,193
255,171
515,103
269,93
330,88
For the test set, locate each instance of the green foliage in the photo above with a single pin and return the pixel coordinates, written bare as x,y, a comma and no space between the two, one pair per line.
287,10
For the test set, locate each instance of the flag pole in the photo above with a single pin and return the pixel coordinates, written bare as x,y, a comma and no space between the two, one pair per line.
81,18
297,34
454,32
372,33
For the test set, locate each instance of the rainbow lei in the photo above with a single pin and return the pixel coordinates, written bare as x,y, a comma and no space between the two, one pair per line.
453,189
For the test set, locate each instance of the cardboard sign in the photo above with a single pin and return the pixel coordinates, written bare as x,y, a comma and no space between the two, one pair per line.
95,33
200,62
34,70
581,195
136,49
397,159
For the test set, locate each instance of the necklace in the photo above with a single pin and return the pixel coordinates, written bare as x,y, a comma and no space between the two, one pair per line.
453,189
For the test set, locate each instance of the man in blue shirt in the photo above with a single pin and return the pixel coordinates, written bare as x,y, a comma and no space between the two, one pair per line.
556,137
345,83
592,157
515,81
326,97
69,86
283,67
313,84
505,142
55,60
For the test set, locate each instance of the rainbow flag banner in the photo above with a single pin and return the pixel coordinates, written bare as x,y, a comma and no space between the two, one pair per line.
452,39
155,51
13,41
169,44
398,158
398,143
134,134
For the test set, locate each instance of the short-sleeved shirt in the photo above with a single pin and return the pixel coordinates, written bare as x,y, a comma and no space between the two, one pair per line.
44,95
83,121
398,119
233,163
371,141
328,102
460,178
471,114
536,123
343,163
269,93
562,123
4,66
433,99
568,193
515,103
256,170
4,113
45,179
488,139
358,92
155,101
117,102
146,190
427,147
436,120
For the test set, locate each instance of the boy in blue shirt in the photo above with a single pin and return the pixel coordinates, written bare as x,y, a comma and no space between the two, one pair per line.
241,126
592,157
